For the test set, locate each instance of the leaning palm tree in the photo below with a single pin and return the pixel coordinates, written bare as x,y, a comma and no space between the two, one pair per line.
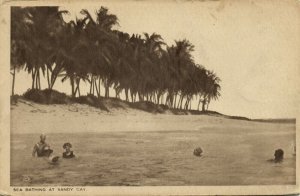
213,87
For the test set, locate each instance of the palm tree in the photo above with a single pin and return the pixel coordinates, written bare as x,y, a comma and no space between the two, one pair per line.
101,36
179,60
153,44
42,25
91,50
213,88
124,61
74,54
19,31
60,45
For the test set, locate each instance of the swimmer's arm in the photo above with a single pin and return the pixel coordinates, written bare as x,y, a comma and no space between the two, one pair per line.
34,150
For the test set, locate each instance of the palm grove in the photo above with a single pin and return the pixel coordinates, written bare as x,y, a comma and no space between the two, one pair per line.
141,67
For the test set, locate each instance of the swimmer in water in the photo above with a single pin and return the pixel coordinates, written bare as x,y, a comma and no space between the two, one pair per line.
68,153
42,149
278,156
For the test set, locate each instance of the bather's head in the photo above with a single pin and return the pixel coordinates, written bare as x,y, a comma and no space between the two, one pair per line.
278,155
198,152
43,138
67,146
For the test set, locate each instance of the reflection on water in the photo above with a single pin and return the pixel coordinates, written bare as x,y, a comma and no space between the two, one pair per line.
154,158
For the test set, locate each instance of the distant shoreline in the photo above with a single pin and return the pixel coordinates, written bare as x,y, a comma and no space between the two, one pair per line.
277,120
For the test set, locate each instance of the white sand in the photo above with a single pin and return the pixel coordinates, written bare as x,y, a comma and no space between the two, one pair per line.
29,117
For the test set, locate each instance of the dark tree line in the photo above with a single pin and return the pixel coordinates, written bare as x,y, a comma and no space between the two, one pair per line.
88,50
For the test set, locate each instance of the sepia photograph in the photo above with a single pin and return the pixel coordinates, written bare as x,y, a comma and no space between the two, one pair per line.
153,94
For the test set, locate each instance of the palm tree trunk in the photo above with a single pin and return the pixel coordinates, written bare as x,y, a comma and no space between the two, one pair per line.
36,79
126,93
186,104
141,98
175,100
78,86
76,89
53,79
97,91
33,75
203,104
171,99
158,97
208,101
93,90
91,84
106,88
72,85
13,83
181,102
39,80
131,93
198,108
106,91
167,99
99,87
48,79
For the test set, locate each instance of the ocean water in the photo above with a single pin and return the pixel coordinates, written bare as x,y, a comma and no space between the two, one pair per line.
162,158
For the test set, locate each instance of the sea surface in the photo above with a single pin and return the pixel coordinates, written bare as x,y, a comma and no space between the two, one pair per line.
156,158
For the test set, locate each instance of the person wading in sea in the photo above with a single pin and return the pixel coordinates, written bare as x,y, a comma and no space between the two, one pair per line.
42,149
68,154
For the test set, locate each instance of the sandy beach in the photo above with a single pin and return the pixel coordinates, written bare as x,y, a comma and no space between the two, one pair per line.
131,147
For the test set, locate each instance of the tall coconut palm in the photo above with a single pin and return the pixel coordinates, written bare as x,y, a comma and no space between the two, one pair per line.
180,59
74,54
42,24
19,32
153,45
100,33
213,88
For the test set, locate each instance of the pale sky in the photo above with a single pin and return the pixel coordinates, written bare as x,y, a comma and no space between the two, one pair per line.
253,46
